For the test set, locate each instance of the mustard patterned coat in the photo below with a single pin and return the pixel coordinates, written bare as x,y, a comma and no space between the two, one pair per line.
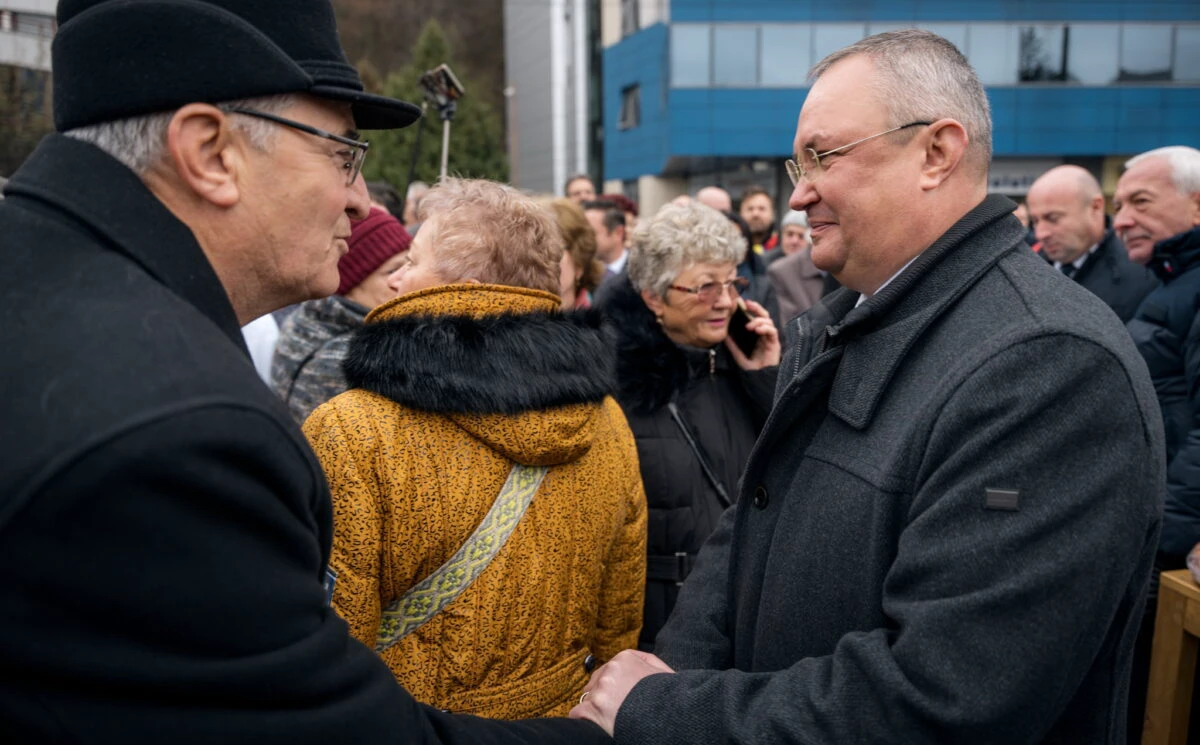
452,385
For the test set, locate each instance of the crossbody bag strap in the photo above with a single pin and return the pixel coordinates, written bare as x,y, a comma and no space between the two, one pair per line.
428,597
722,495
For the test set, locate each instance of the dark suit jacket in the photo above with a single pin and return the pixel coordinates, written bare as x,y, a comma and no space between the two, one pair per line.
164,528
942,536
1117,281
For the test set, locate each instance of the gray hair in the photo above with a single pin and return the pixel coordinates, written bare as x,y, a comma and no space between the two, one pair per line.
1184,162
140,141
922,77
680,236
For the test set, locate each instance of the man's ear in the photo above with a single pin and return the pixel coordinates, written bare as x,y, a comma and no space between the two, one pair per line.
203,153
654,303
945,147
1194,198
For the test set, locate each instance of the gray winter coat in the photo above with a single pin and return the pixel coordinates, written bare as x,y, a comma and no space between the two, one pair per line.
945,530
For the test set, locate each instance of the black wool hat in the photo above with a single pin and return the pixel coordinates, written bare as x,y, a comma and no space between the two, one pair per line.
114,59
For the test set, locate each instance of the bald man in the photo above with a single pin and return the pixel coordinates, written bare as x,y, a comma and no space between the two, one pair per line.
1066,210
715,197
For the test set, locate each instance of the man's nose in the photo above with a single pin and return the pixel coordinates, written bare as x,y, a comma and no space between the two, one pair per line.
358,202
1122,220
803,196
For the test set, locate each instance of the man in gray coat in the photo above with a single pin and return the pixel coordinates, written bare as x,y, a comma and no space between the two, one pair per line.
947,525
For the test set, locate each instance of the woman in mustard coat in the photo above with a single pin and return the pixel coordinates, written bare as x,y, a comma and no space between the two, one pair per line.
490,523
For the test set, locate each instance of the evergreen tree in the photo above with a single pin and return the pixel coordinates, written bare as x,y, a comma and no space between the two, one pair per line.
476,137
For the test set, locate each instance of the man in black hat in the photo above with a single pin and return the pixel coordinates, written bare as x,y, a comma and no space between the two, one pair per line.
164,528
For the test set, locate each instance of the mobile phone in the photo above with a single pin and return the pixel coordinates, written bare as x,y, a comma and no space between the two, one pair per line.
745,339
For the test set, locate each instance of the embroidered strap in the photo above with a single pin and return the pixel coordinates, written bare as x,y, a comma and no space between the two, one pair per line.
428,597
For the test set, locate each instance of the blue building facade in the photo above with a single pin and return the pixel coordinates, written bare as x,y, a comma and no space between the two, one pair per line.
711,93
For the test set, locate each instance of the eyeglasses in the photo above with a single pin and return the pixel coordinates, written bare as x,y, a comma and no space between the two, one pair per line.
809,167
353,160
709,292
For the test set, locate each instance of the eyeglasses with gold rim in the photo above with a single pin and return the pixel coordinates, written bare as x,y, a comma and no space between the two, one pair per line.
810,167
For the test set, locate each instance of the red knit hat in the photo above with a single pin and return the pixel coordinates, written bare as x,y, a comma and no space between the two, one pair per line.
372,241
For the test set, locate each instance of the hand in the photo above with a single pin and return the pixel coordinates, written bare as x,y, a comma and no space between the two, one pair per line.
768,351
610,684
1193,562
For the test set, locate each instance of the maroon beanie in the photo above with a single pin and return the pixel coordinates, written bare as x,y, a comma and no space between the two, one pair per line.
372,241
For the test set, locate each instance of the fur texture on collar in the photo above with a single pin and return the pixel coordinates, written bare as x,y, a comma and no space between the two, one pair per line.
650,367
498,364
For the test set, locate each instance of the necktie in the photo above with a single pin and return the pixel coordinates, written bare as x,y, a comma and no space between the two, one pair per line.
1068,269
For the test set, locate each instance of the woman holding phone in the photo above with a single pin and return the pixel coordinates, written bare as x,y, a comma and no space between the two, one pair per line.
694,400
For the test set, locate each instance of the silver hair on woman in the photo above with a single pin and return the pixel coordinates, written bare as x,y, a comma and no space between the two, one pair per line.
680,236
140,141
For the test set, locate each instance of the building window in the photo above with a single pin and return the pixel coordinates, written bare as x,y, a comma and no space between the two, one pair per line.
1041,55
1090,53
735,55
33,24
630,22
631,107
785,55
830,37
993,50
1145,52
691,55
1187,53
6,20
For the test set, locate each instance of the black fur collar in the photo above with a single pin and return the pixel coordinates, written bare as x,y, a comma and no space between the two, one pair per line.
500,364
650,367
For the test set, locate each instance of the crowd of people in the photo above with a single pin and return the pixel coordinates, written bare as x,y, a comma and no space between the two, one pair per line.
900,466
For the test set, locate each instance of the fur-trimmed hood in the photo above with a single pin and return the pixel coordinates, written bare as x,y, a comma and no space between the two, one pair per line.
650,367
502,362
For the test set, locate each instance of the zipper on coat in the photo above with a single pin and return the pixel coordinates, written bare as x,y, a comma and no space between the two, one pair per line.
712,362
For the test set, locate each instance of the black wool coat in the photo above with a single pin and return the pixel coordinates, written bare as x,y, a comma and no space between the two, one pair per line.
945,530
164,528
723,406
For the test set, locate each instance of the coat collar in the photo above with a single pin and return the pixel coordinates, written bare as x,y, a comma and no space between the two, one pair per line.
481,349
107,200
1176,255
880,332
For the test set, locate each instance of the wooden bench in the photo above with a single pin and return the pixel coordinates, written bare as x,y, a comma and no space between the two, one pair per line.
1173,660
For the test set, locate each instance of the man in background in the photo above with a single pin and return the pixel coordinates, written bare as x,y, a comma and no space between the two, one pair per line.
1066,209
758,211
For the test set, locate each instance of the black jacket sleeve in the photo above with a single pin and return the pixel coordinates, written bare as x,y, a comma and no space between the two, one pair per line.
177,566
1181,510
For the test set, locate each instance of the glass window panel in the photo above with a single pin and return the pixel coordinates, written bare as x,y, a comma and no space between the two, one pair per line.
830,37
955,33
1187,53
735,55
1041,52
1090,53
690,54
786,54
1145,52
993,49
